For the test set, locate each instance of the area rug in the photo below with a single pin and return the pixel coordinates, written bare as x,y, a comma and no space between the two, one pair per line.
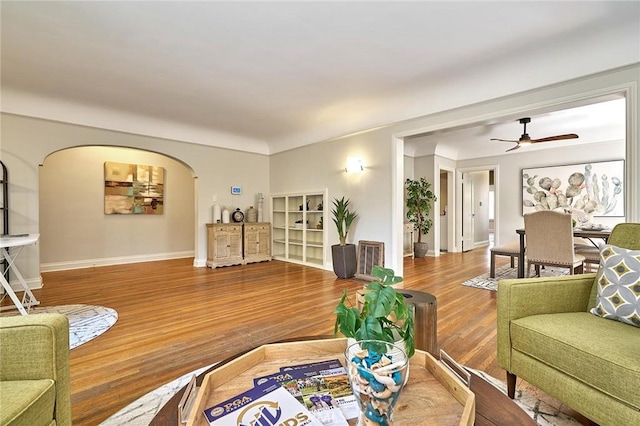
143,410
86,322
506,272
542,413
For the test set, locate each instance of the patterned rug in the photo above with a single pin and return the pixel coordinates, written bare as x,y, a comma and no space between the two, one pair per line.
506,272
141,411
542,413
86,322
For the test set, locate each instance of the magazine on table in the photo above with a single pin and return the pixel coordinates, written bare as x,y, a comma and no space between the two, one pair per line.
267,404
287,373
321,365
323,388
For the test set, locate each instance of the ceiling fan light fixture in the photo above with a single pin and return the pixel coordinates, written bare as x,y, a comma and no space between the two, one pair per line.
525,139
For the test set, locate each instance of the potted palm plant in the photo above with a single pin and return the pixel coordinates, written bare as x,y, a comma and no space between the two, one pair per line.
382,315
420,200
343,254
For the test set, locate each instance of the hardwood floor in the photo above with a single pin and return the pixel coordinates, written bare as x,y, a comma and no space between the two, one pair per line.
174,318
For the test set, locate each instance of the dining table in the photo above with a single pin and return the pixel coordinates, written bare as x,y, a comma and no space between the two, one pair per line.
590,234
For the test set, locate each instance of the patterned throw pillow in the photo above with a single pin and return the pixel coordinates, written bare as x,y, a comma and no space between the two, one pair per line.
618,283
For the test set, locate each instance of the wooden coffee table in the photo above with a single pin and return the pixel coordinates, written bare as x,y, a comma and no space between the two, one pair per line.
448,400
496,408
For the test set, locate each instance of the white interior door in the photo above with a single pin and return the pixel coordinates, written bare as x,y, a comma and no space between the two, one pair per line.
468,217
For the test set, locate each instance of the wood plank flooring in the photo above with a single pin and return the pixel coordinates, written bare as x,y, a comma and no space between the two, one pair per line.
174,318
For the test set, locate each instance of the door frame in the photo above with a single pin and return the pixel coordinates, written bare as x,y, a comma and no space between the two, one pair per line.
451,209
459,201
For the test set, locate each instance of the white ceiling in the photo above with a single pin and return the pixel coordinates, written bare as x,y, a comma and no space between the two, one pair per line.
602,121
269,76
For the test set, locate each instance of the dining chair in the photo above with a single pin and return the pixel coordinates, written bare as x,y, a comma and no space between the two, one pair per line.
550,241
590,252
510,249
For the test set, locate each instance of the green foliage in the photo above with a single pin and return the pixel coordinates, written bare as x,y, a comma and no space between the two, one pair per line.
343,218
420,200
375,321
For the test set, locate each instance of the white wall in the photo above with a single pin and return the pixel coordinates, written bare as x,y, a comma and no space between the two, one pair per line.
322,165
621,81
508,182
376,194
72,211
26,142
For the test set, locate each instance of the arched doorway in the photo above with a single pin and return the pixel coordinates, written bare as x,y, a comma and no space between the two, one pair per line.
76,232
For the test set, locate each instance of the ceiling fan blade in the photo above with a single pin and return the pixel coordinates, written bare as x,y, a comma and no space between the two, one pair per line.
556,138
504,140
514,148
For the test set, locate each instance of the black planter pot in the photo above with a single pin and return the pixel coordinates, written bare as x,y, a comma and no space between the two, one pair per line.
344,260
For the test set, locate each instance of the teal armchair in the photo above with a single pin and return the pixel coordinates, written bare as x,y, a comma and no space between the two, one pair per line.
34,370
548,337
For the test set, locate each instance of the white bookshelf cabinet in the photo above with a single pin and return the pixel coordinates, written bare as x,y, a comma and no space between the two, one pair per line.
296,218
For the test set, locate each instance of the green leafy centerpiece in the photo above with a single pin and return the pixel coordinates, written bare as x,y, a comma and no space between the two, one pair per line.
384,315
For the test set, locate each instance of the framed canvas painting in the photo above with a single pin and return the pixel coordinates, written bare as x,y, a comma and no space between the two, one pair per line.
133,189
594,188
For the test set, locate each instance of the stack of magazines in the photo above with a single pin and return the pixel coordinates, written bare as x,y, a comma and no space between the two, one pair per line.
306,394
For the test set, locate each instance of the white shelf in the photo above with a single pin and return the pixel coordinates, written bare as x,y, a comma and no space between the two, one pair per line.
307,245
317,262
296,258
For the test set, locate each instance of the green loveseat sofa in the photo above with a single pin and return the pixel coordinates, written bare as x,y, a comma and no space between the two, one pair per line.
35,386
548,337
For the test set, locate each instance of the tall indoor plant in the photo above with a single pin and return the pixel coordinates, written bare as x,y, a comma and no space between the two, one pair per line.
420,200
382,315
343,254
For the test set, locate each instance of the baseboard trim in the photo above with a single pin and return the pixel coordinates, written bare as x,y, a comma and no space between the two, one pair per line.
107,261
200,263
32,283
480,243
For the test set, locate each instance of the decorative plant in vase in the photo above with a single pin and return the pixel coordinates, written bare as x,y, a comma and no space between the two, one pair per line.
383,314
420,200
343,254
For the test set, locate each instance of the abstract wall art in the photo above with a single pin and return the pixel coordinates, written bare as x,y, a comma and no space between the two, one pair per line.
595,188
133,189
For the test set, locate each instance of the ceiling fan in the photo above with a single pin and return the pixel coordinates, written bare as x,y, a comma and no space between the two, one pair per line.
525,139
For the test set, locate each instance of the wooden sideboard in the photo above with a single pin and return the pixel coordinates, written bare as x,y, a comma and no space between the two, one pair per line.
257,242
238,243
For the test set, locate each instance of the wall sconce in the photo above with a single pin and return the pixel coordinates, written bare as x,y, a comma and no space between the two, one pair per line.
354,165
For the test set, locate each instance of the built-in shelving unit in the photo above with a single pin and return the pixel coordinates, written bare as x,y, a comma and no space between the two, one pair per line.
299,225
